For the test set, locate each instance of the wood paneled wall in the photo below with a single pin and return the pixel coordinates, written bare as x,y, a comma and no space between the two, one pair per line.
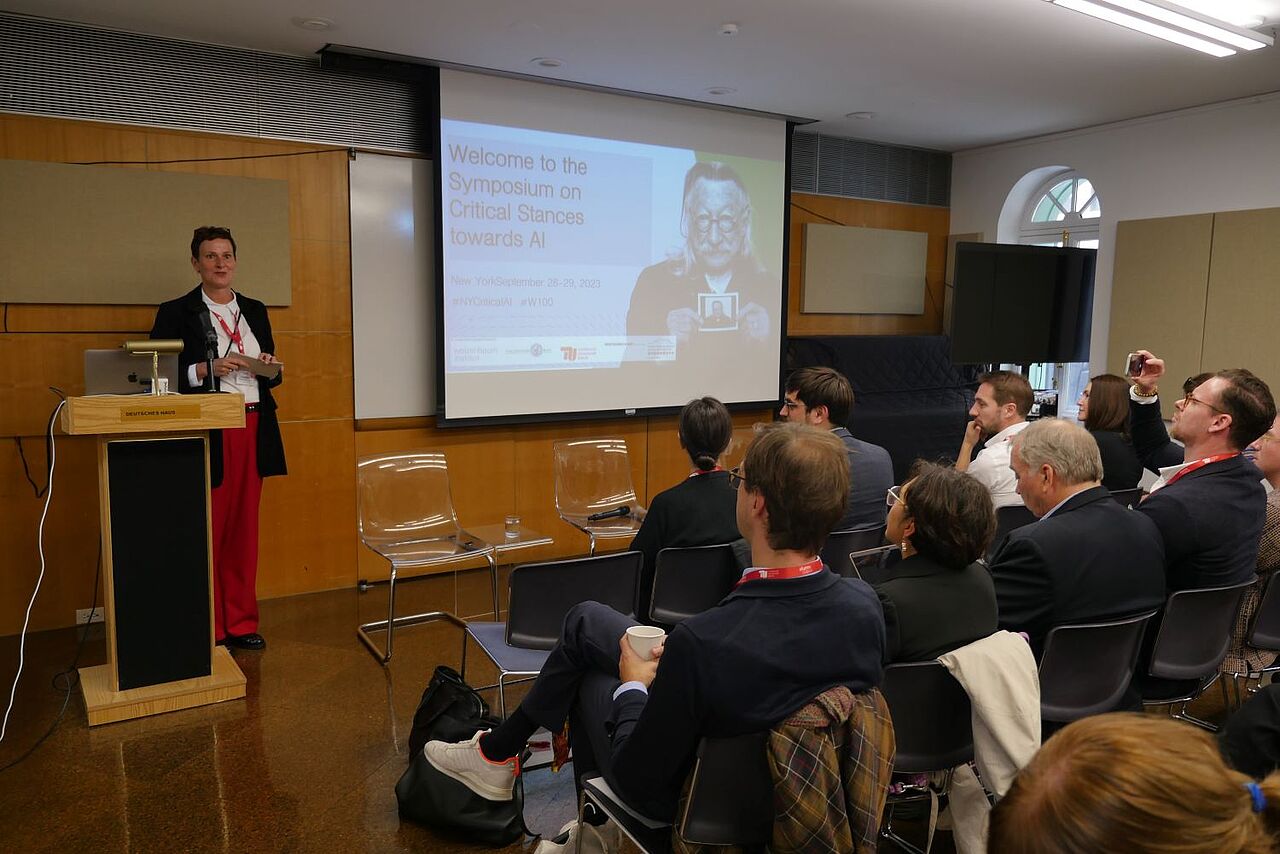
867,214
309,539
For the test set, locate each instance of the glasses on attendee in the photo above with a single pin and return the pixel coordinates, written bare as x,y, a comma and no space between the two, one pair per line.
894,496
1191,398
736,477
725,222
1255,448
789,404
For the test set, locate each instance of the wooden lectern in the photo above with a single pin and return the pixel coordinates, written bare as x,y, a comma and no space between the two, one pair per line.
153,493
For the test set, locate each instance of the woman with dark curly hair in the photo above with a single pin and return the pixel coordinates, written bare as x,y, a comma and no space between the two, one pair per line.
938,597
1104,409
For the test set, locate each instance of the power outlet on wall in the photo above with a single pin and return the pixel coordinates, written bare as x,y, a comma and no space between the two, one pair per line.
88,615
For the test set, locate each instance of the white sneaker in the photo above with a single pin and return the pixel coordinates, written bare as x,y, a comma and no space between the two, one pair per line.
605,839
464,762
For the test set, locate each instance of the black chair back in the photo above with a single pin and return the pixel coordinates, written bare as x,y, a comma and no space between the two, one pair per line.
731,796
835,553
1009,519
931,717
541,594
1086,668
688,581
1128,497
1265,631
1196,632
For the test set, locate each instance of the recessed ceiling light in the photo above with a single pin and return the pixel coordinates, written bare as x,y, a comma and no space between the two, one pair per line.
720,90
728,28
546,61
860,114
318,25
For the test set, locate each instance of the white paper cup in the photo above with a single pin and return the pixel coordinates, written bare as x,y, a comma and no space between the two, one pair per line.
644,638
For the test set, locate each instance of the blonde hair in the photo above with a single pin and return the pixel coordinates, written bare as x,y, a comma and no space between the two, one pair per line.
1134,783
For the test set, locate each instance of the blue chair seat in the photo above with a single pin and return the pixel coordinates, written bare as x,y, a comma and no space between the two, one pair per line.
492,638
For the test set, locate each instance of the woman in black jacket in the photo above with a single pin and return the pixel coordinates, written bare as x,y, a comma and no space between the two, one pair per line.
1104,409
221,329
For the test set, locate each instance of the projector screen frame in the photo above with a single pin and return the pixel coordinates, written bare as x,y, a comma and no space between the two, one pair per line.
593,414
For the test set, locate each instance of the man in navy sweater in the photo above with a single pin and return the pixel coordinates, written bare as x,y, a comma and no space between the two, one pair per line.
788,631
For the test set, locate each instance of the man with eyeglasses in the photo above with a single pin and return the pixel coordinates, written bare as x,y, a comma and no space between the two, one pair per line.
1209,507
822,398
716,266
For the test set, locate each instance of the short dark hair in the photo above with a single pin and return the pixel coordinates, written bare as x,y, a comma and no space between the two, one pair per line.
705,430
210,232
1010,387
803,475
955,519
1191,383
1108,404
823,387
1247,399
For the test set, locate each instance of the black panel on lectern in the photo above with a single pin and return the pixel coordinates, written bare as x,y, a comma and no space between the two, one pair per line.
159,560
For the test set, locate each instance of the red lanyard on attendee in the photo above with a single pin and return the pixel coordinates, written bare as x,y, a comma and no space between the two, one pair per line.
783,572
708,471
1198,464
233,331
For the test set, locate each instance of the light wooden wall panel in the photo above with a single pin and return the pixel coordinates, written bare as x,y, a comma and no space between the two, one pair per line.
1244,295
1158,293
867,214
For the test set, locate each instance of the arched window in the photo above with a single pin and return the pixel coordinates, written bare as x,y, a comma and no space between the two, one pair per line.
1065,204
1063,211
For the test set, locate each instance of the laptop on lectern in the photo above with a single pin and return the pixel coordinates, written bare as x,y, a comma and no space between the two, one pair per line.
119,372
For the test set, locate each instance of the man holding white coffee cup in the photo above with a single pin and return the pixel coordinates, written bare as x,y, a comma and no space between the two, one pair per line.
788,631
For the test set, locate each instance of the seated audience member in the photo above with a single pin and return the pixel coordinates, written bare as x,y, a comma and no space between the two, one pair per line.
1086,558
699,511
1210,508
1147,430
789,631
999,411
823,398
1104,409
1144,784
1242,658
1250,741
938,598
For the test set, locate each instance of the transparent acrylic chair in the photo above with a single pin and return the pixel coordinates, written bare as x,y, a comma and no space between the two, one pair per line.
593,476
406,515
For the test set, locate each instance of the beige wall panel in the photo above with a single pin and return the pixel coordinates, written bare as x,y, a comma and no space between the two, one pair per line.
1158,293
321,288
308,523
70,539
867,214
1244,295
103,234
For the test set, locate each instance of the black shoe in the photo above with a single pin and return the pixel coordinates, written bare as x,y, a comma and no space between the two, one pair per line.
250,641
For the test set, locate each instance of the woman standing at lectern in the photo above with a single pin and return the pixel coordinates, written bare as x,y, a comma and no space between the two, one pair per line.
218,326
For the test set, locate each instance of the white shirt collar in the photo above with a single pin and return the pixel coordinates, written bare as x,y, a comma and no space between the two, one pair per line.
1008,433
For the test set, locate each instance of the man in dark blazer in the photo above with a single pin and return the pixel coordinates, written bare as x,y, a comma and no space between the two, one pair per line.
1211,507
790,630
823,398
1086,558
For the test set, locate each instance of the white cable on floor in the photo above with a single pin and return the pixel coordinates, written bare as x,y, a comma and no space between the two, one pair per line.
22,639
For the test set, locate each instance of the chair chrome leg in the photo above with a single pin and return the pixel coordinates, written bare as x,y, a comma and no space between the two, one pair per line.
493,580
502,696
462,668
364,630
391,614
591,548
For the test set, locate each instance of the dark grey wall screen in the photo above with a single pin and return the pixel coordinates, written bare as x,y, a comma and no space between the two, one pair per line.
59,69
834,166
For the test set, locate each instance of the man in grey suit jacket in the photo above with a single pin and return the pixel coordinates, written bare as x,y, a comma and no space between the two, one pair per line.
823,398
1087,558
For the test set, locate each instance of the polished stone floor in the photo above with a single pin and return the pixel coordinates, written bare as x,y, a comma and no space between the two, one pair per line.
306,762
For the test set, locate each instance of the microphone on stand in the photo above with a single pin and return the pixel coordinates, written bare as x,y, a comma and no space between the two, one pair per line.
616,513
210,353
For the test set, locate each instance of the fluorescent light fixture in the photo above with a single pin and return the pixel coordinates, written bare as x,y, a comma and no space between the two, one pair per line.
1164,20
1223,31
1241,13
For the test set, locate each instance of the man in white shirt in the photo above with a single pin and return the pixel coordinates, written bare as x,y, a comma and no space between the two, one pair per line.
999,413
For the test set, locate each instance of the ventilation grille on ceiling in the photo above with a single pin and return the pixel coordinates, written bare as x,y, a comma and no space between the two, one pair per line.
833,166
59,69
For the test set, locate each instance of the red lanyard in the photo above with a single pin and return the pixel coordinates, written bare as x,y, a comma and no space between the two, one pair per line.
1199,464
783,572
233,331
708,471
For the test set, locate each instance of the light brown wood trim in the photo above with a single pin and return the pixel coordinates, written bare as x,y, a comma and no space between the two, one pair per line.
147,414
105,705
108,573
412,422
